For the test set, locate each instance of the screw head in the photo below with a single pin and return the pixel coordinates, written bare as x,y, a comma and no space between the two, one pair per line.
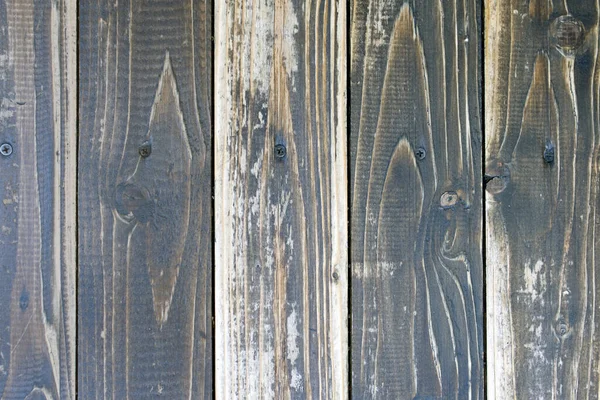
549,153
24,300
6,149
561,328
145,149
420,153
335,276
280,150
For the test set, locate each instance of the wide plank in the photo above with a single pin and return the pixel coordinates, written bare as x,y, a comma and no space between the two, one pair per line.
542,183
38,145
416,214
281,199
145,144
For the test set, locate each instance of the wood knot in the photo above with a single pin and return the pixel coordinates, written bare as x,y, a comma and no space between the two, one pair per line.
133,201
567,33
496,178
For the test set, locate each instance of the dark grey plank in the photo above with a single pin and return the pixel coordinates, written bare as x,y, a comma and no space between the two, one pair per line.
417,275
145,267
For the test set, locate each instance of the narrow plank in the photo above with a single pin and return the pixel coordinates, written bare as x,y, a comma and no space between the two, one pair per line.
542,194
281,199
145,266
37,186
417,271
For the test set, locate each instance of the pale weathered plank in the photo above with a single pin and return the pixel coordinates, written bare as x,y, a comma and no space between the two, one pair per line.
542,195
417,276
281,199
145,266
37,188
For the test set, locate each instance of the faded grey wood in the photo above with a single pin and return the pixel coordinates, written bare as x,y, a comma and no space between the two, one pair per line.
37,188
281,200
417,271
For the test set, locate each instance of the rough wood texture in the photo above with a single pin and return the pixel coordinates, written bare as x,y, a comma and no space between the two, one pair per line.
37,188
145,268
416,259
281,263
542,199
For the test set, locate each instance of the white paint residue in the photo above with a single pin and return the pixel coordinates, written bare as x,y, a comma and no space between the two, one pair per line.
7,109
289,53
388,268
534,282
293,351
262,45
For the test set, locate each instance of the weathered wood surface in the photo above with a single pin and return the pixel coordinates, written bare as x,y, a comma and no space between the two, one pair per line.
281,219
145,267
542,198
37,188
417,317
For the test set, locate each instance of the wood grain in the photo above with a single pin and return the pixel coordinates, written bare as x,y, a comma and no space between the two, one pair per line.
37,188
542,164
145,265
417,275
281,237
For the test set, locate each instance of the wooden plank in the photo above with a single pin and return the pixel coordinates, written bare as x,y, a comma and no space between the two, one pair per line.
281,199
145,267
37,188
542,195
417,276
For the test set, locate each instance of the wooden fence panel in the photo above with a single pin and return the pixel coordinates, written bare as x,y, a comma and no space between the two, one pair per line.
37,187
281,199
542,198
417,271
145,267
